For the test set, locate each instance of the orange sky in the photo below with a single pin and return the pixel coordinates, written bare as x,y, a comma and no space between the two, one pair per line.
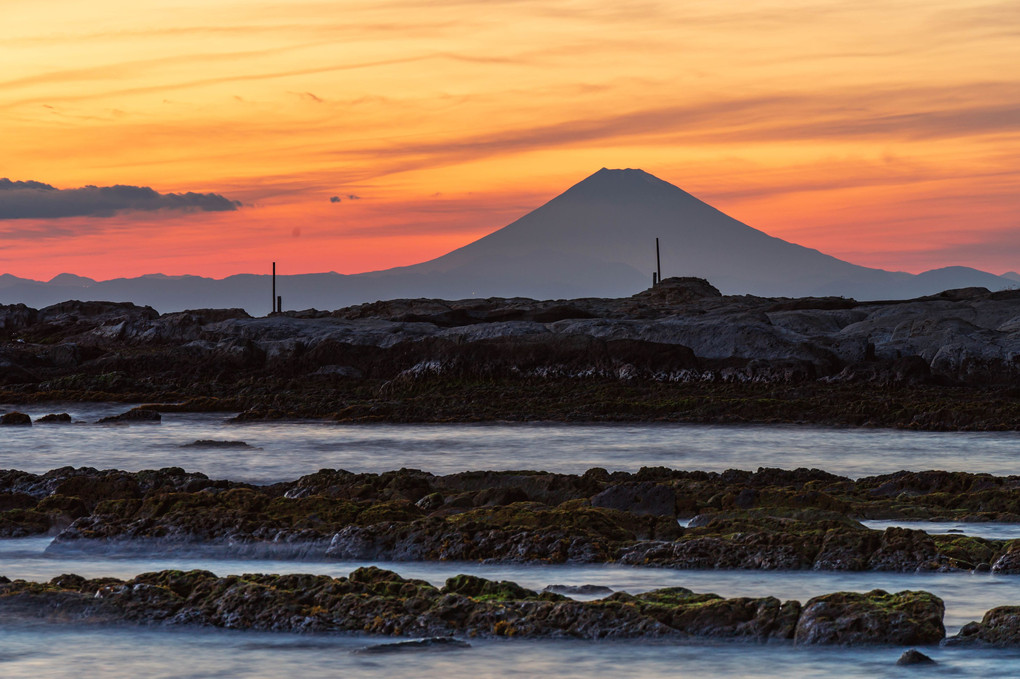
886,133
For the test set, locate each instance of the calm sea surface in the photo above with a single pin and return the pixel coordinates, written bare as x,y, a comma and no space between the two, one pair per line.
63,653
284,451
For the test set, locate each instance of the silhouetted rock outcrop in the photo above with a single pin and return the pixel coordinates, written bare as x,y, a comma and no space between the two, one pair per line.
681,331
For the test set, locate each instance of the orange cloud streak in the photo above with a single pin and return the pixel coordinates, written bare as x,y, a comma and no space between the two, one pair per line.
884,133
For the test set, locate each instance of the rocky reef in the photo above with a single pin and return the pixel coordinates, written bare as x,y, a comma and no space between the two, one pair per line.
999,627
376,601
768,519
679,351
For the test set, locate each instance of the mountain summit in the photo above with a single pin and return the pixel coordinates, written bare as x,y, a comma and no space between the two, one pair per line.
596,239
614,216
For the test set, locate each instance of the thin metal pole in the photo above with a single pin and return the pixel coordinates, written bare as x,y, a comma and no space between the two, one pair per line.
274,287
658,263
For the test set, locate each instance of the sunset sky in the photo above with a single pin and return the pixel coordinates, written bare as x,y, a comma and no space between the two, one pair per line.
885,133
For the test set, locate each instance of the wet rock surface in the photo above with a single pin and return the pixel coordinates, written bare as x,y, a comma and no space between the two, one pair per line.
913,656
215,443
418,645
582,590
377,601
764,520
54,418
678,352
145,415
999,627
875,617
15,419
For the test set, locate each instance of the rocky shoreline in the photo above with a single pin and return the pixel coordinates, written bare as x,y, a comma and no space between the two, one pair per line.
768,520
380,602
376,601
771,519
678,352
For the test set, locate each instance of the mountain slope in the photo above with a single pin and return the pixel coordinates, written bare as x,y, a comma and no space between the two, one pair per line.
617,214
597,239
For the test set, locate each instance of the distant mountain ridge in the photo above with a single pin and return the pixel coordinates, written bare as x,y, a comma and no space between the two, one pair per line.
597,239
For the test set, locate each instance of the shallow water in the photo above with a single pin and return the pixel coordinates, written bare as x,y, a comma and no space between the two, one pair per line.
967,595
67,653
979,529
992,531
285,450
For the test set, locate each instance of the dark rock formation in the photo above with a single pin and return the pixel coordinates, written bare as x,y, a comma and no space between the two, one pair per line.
54,418
679,351
134,415
641,498
582,590
913,656
800,519
381,602
209,443
429,644
999,627
15,419
1009,562
875,617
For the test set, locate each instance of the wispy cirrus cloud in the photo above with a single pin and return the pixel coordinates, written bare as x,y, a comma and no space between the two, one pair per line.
905,115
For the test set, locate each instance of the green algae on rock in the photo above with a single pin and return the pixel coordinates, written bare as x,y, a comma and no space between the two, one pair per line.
769,519
378,601
877,617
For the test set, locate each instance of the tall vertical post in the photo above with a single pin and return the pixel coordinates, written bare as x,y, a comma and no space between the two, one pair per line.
658,263
274,288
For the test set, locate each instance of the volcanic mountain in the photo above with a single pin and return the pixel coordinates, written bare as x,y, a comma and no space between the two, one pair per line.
597,239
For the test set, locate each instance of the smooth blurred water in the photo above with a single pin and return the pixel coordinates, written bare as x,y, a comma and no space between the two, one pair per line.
992,531
285,450
117,653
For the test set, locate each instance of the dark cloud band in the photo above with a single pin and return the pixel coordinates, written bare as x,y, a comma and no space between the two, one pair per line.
36,200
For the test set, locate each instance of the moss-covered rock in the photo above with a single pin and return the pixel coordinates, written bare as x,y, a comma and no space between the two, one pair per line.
877,617
792,519
480,588
1009,560
378,601
18,523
